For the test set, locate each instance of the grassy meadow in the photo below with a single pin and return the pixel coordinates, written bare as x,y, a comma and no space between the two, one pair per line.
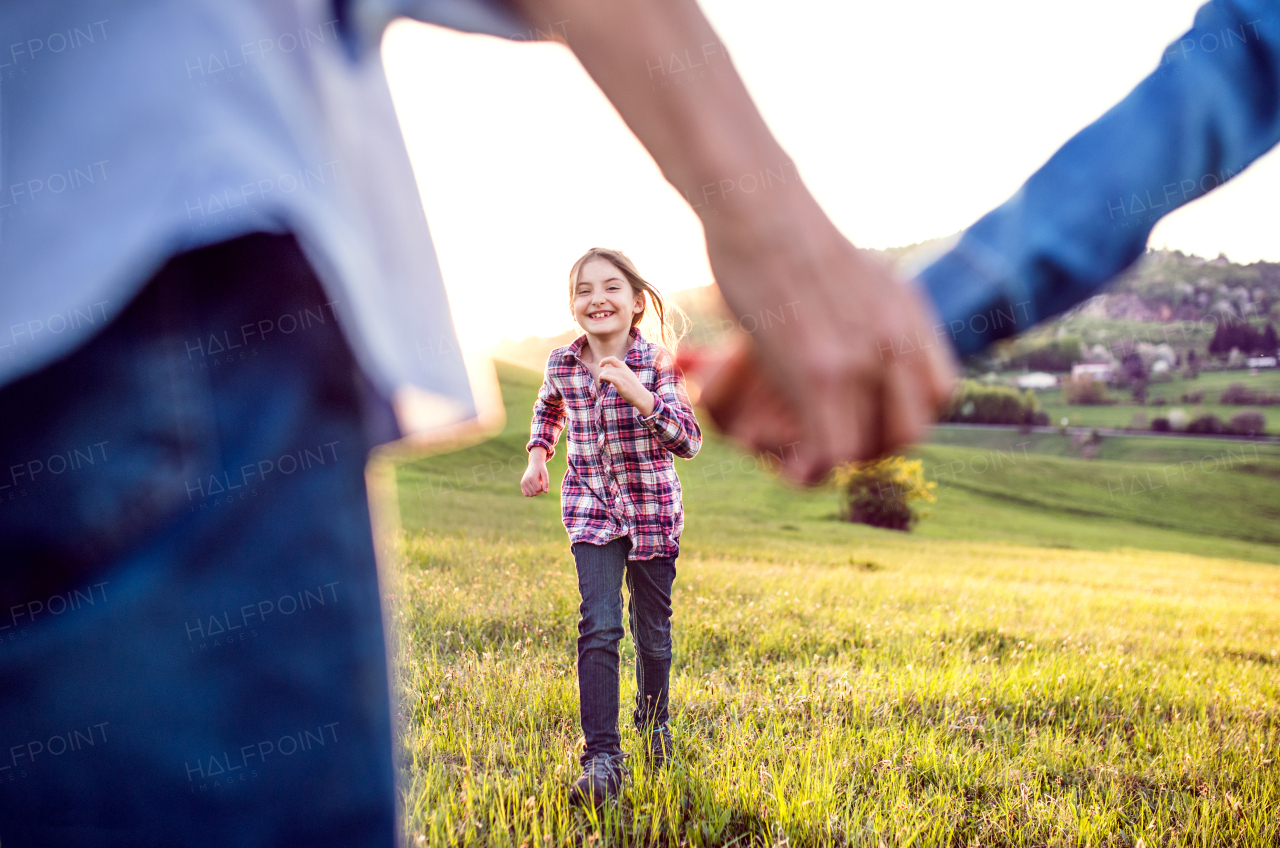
1066,651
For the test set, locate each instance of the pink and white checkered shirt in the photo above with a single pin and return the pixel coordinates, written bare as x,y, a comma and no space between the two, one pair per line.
622,478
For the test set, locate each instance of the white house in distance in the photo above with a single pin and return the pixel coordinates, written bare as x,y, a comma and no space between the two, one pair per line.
1100,371
1260,362
1036,380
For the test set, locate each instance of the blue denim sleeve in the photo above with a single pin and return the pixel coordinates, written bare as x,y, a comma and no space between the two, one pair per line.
362,21
1209,109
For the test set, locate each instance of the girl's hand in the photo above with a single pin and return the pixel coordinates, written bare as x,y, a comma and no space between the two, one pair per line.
628,386
536,481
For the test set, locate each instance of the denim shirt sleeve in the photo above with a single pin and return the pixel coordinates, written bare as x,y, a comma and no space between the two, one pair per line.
362,21
1211,107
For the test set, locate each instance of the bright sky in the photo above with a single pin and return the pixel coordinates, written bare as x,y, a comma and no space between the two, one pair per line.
907,121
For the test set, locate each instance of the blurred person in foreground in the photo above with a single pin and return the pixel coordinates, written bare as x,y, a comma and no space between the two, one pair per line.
1211,107
217,295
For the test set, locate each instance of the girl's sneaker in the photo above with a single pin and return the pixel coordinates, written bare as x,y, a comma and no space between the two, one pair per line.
601,780
660,748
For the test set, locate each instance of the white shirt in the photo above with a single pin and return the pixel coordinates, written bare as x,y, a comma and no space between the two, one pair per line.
133,131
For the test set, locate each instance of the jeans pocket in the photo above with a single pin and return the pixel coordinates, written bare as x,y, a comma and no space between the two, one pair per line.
99,457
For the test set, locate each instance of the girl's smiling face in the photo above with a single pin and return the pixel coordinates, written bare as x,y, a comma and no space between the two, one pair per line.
603,300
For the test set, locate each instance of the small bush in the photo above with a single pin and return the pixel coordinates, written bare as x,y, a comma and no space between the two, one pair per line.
1238,394
975,403
1085,391
884,492
1192,397
1248,424
1160,425
1208,425
1158,401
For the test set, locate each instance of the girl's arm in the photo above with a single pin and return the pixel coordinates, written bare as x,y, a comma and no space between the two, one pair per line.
672,421
548,422
549,418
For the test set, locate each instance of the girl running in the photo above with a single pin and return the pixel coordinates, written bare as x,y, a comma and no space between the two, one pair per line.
628,414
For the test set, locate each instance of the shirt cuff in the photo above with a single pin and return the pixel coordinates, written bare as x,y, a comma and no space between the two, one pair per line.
545,444
658,408
972,299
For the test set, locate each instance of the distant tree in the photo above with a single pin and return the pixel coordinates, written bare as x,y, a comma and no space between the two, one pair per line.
1236,334
1270,344
1132,368
1219,344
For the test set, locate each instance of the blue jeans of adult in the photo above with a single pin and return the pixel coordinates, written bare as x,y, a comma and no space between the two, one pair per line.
191,634
602,570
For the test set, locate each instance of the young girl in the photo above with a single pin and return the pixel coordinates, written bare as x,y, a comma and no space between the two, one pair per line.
628,414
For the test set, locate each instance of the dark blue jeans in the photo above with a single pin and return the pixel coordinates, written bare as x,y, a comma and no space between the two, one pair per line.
601,572
191,639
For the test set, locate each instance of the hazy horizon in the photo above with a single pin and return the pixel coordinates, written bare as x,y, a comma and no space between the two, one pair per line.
901,130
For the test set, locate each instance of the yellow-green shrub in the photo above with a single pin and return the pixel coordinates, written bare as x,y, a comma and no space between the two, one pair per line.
884,492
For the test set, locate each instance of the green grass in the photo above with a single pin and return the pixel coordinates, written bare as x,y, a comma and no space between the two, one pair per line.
1044,662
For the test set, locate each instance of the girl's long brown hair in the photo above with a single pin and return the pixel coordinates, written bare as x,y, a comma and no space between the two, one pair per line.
670,335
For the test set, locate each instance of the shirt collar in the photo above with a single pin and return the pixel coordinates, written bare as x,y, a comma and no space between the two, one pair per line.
635,353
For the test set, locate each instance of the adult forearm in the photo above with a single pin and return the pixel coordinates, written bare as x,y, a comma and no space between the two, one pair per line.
1209,109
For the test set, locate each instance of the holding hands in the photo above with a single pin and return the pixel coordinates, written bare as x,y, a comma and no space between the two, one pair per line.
857,369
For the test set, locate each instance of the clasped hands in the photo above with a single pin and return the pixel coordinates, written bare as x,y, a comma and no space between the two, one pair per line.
853,372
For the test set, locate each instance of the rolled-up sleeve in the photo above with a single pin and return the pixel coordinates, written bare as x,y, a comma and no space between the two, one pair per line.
549,418
672,421
1211,107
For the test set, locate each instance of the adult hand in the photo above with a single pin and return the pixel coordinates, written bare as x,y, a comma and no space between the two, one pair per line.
852,370
536,480
628,386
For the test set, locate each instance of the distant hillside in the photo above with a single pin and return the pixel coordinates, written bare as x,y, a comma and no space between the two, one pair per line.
531,352
1168,285
1163,286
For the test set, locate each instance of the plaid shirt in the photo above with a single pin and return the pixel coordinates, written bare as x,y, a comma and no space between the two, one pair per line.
621,479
